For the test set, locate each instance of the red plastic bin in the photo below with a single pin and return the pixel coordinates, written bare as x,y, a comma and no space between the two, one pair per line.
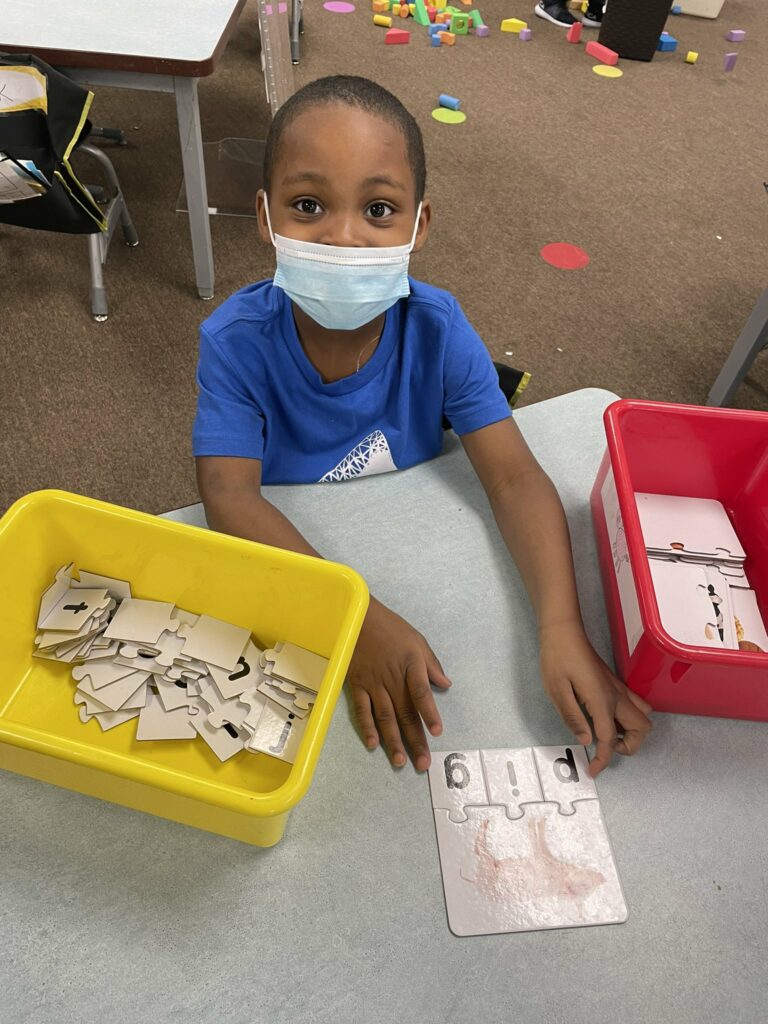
696,452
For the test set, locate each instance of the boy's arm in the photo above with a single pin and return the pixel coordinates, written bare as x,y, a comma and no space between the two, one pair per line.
532,522
393,665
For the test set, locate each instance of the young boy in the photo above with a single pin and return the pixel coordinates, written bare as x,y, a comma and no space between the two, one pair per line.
343,365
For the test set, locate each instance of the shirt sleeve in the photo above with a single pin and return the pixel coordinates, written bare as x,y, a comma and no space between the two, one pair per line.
472,395
228,420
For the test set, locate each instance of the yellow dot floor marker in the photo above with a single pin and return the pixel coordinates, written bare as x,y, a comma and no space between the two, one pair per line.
606,71
446,116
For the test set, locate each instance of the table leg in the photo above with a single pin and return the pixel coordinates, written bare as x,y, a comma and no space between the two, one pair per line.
188,113
752,340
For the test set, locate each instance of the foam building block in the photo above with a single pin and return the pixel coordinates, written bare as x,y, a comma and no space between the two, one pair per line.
525,34
397,35
736,35
601,53
451,102
434,29
691,57
382,19
573,35
513,25
667,43
431,12
729,61
405,11
460,24
447,38
421,13
477,18
435,39
677,9
482,31
380,6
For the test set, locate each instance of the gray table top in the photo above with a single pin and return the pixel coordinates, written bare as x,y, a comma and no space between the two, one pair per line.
168,30
108,914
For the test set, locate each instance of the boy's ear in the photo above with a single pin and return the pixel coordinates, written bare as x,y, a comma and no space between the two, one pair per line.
261,216
422,231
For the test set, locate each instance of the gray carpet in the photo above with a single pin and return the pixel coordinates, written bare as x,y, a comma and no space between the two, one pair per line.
657,175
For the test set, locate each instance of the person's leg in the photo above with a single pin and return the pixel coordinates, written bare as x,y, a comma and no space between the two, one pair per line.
555,11
593,16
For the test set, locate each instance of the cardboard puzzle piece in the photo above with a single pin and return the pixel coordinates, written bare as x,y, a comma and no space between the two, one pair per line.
289,696
119,589
456,781
57,590
295,665
109,719
694,526
215,642
173,695
512,779
155,723
278,733
255,702
141,622
127,692
539,871
220,711
564,776
225,743
73,611
244,675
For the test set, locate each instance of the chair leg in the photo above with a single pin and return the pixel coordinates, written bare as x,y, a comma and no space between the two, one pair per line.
99,307
752,340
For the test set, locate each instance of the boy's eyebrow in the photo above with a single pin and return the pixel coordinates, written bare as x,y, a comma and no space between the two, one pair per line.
376,179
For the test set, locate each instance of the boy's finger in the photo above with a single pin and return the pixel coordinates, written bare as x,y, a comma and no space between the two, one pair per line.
435,670
409,721
361,703
634,725
605,736
417,681
386,722
573,716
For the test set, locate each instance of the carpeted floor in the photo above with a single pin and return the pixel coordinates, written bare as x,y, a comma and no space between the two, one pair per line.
657,175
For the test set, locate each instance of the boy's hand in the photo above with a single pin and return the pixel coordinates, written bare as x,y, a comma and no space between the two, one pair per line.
574,675
389,682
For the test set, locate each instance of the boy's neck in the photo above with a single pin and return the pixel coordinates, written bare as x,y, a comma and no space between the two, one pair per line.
337,354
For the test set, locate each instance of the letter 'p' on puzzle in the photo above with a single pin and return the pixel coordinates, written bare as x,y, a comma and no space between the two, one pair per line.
522,842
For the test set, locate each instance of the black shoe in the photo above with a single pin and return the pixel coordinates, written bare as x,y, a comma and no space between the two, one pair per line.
556,12
592,18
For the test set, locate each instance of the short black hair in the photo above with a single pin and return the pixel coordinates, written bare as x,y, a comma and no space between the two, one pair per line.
355,91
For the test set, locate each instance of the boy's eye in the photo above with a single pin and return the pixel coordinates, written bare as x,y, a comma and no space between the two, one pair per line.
380,210
308,206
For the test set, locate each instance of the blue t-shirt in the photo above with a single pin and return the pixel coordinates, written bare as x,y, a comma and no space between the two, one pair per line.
261,398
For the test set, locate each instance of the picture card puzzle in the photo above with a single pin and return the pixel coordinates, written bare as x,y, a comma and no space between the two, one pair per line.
697,567
178,674
522,842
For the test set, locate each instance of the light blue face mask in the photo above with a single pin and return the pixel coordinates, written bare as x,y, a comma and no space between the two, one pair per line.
341,287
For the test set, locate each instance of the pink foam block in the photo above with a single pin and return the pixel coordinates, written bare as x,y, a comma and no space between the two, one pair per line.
736,35
729,62
574,33
525,34
397,35
601,53
482,30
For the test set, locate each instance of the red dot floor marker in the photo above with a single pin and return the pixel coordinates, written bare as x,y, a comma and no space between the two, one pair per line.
564,256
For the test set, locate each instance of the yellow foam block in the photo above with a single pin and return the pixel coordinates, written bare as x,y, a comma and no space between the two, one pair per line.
513,25
691,57
439,5
396,10
383,20
412,9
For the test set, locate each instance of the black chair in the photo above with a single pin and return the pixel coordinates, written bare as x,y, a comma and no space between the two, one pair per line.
43,120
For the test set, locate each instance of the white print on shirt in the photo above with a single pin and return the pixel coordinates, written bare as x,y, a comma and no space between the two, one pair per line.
371,456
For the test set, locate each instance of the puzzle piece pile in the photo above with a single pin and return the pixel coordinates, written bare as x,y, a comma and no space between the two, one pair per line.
522,841
697,565
180,674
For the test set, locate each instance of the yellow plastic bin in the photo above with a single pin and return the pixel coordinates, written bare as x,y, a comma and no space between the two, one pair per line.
278,595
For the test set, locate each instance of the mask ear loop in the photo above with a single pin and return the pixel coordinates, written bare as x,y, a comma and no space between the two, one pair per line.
269,221
415,228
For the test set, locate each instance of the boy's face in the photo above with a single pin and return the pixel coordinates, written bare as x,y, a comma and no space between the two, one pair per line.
342,177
